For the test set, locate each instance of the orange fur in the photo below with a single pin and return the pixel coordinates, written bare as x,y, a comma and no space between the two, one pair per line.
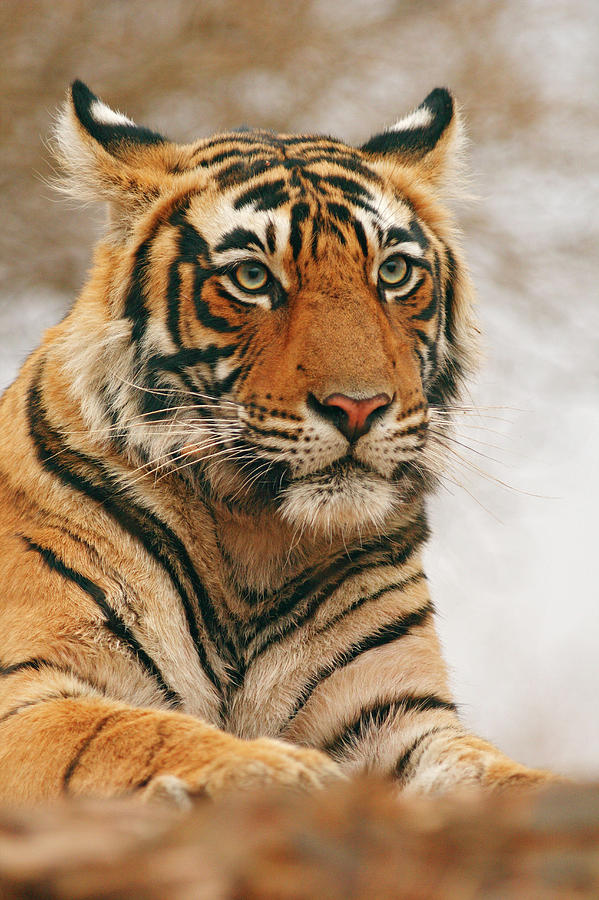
207,575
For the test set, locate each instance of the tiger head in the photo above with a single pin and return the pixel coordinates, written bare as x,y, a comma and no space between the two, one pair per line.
283,319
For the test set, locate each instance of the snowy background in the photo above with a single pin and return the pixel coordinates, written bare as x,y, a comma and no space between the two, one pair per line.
514,568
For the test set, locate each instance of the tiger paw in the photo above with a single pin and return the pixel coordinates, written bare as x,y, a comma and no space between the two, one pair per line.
504,773
248,765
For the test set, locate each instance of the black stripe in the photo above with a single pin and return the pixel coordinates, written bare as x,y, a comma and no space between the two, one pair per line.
205,316
148,765
423,363
239,239
399,770
390,549
224,294
361,236
55,695
173,301
339,211
363,204
273,432
187,357
376,716
438,322
348,186
429,311
299,213
317,588
399,298
38,665
190,247
317,141
217,158
292,162
446,386
398,235
113,623
135,308
450,296
369,598
85,745
413,233
405,761
239,141
417,234
419,262
271,237
241,171
426,340
413,429
251,356
266,196
91,479
337,231
386,634
317,226
344,161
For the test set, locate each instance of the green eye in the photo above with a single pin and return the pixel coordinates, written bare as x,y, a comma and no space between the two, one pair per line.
394,270
251,276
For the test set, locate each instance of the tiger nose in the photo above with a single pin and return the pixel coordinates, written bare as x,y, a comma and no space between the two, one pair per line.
352,416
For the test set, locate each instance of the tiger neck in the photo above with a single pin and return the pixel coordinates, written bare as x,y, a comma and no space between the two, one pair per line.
261,551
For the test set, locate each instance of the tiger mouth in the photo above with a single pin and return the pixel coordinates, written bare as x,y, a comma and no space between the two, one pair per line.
347,469
341,472
344,467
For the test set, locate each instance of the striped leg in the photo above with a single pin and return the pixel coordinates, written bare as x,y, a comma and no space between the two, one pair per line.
420,743
441,758
370,685
63,740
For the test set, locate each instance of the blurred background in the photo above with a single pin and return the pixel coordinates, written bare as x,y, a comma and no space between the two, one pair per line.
514,560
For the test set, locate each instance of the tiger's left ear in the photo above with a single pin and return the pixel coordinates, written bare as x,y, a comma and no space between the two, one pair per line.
108,157
429,138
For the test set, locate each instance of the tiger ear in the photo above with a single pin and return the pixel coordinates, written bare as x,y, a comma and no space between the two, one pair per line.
429,138
108,157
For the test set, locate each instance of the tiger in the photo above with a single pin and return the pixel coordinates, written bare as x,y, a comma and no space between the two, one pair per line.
215,471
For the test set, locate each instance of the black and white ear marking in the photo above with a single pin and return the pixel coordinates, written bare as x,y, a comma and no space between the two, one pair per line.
108,127
418,133
106,156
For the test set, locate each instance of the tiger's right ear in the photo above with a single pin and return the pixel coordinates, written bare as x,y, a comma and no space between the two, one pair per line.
108,157
429,139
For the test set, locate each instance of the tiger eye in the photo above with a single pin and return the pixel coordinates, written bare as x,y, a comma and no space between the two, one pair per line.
394,270
251,276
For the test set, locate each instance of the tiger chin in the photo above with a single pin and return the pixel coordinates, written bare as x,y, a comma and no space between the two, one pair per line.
214,471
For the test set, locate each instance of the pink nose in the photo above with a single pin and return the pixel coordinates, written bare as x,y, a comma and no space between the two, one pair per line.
356,419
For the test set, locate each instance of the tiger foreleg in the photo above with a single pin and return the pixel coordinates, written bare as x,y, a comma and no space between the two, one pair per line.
443,759
72,745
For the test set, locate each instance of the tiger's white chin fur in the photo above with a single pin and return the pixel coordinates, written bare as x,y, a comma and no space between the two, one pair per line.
341,502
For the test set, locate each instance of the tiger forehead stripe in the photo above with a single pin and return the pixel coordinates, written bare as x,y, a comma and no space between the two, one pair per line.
239,239
269,195
249,156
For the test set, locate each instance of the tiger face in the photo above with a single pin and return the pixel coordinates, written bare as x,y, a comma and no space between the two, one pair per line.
285,320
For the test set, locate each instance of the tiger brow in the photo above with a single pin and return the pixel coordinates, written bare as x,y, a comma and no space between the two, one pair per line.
239,239
412,234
